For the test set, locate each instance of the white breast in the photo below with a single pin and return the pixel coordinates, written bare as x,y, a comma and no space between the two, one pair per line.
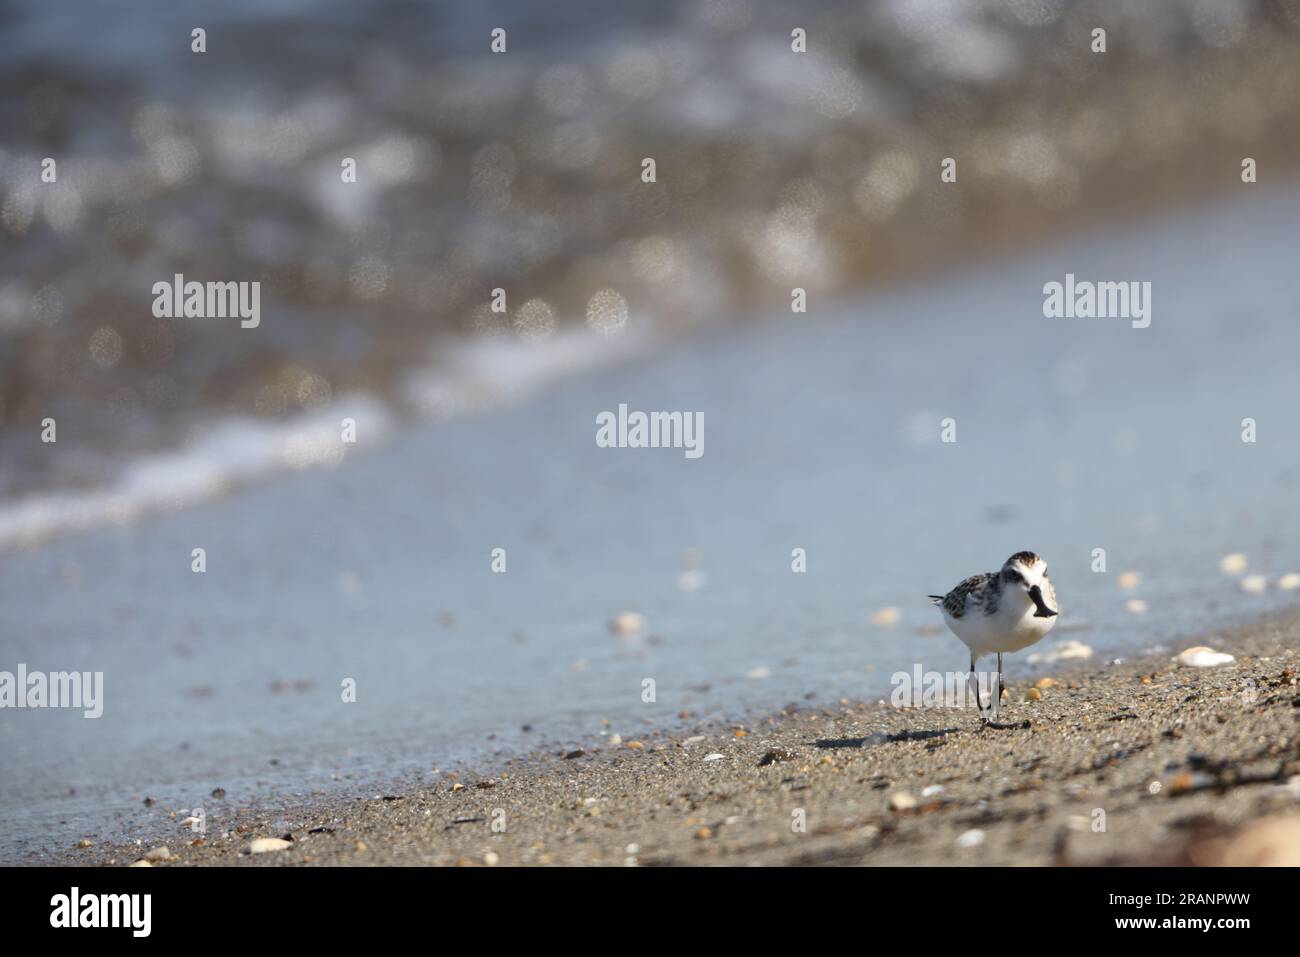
1012,627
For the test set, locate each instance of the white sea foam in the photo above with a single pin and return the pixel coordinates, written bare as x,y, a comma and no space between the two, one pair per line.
492,372
224,455
230,453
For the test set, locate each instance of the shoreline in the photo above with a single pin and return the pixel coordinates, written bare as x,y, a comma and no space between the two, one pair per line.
378,570
1185,766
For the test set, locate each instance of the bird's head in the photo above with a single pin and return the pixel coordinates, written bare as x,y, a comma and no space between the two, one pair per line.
1028,572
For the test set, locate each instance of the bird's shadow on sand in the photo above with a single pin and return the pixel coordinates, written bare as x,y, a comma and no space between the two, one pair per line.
871,739
917,735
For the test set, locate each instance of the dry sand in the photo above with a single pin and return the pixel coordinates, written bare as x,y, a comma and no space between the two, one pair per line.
1188,765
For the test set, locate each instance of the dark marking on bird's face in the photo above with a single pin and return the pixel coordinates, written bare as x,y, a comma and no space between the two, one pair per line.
1031,578
1036,596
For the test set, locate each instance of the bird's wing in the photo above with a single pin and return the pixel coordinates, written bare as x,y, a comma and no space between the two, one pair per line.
955,602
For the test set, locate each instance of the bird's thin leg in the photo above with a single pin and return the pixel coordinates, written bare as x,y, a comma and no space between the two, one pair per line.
999,699
976,681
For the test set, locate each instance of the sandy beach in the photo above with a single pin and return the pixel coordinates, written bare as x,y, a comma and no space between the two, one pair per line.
1180,765
379,570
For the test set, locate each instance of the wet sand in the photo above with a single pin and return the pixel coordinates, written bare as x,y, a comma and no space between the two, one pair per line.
1189,766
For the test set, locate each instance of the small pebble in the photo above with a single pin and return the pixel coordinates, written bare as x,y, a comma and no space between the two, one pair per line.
1129,580
628,623
159,854
713,757
1202,657
1271,842
971,838
887,617
1233,564
902,801
1064,651
1254,584
264,845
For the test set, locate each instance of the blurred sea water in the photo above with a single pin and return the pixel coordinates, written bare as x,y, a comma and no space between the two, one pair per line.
521,171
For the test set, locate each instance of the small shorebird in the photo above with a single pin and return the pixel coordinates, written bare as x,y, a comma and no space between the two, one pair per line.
1001,612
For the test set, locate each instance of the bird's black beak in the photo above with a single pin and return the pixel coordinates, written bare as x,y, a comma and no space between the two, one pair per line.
1036,594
